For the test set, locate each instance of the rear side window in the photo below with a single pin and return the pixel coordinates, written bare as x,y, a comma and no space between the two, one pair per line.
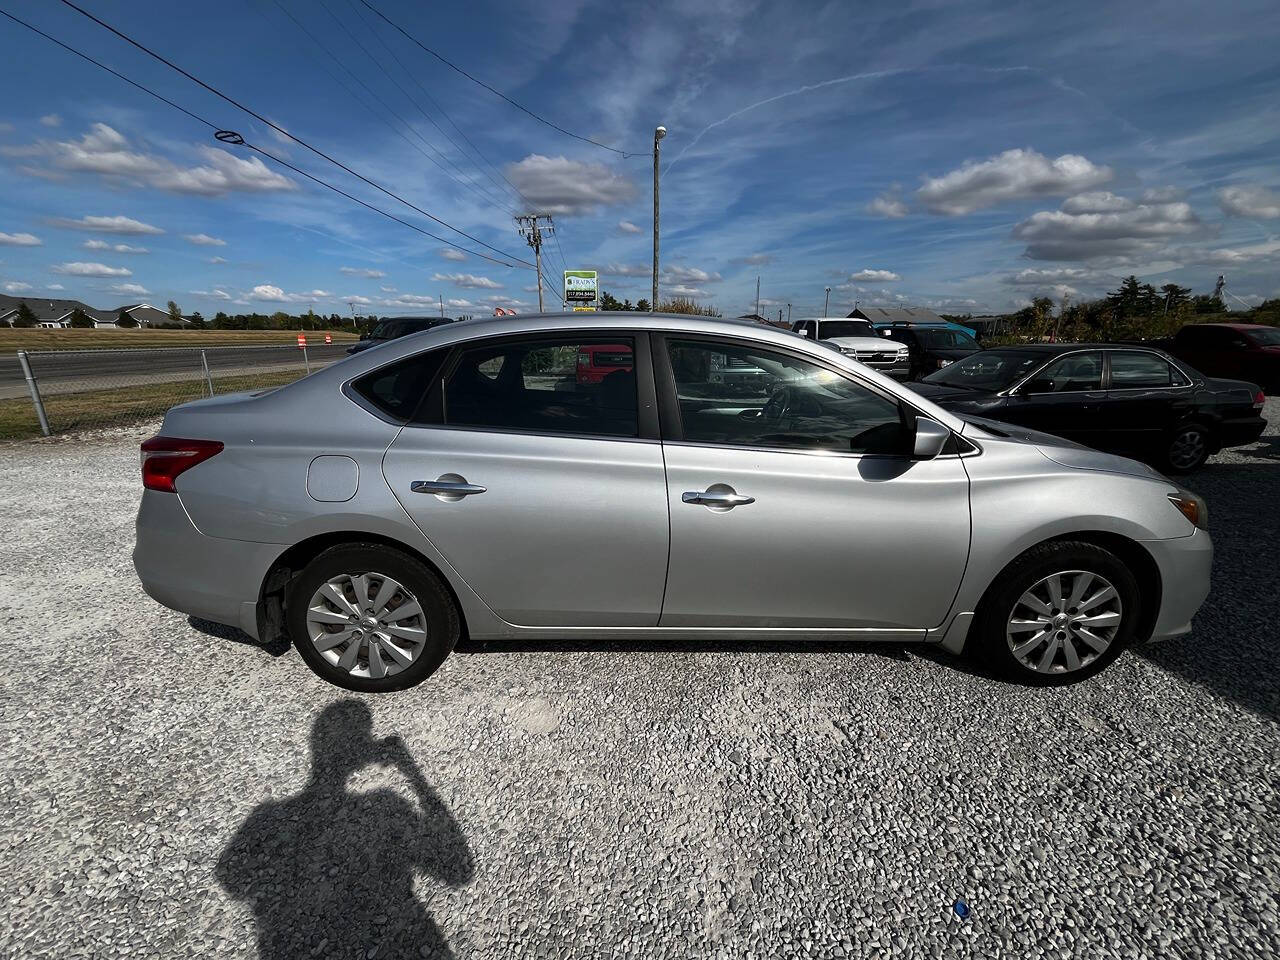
577,386
398,388
1135,370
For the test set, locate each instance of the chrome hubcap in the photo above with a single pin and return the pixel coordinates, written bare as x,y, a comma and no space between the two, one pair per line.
1064,622
367,624
1187,448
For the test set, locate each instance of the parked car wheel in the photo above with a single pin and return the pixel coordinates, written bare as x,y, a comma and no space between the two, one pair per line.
371,618
1188,448
1059,613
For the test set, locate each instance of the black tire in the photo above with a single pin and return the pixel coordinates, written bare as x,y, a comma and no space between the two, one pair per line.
989,639
443,621
1186,448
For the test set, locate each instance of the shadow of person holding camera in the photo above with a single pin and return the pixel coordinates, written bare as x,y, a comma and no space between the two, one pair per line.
331,871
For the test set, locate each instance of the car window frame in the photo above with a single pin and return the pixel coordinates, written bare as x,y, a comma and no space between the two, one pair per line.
1111,388
1016,389
432,414
672,426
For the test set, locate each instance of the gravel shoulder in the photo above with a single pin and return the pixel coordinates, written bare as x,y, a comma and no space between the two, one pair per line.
174,790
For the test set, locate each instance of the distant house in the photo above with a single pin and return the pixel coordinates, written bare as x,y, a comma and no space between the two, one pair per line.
896,315
49,313
145,314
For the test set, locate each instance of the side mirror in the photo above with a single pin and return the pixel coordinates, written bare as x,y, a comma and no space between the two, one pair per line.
1039,385
931,437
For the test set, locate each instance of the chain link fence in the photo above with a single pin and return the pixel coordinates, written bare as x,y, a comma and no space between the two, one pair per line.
56,391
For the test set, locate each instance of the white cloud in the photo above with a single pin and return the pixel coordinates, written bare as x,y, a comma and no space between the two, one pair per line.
51,120
270,293
126,226
1097,201
449,253
1228,256
561,186
55,286
113,247
387,289
1091,229
458,302
214,294
753,260
1054,277
683,290
1009,176
629,270
870,275
626,226
888,204
361,272
20,240
688,275
15,286
1250,200
105,151
500,300
204,240
79,269
131,289
356,298
467,280
217,260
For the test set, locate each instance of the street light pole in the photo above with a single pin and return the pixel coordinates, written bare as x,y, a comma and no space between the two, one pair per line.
826,303
658,134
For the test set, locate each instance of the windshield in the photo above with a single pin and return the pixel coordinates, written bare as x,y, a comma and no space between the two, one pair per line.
946,339
987,369
845,328
1266,338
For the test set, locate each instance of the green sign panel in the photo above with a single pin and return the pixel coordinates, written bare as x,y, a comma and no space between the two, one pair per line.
580,286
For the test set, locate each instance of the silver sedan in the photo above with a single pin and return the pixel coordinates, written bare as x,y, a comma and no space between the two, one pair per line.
645,476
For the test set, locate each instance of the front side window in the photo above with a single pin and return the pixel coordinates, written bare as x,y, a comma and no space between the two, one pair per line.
581,386
1131,371
1076,372
745,396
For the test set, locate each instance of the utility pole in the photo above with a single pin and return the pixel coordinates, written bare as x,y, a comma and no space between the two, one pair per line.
658,134
788,314
441,296
826,303
532,233
757,295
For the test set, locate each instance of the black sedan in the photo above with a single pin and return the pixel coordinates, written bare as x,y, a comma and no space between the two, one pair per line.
1129,400
394,328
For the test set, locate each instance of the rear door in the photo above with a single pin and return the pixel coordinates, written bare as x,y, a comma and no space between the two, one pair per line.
793,503
545,491
1146,397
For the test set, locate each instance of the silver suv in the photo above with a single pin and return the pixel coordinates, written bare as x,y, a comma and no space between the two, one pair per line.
858,339
470,480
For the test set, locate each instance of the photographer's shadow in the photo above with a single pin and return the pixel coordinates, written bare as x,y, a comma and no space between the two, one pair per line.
331,871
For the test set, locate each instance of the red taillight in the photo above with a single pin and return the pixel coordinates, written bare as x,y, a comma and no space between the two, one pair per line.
1259,400
163,458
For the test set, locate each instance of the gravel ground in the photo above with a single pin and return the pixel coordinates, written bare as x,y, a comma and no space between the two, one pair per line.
173,790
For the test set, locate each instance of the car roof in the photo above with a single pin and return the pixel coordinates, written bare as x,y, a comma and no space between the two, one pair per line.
1051,349
1234,326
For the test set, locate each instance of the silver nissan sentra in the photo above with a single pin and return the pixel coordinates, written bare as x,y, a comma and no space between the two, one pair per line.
646,476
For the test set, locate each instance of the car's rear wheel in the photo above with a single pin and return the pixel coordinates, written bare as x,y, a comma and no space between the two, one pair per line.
1187,448
1061,612
371,618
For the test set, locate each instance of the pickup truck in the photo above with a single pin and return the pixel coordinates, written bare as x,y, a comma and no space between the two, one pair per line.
1237,351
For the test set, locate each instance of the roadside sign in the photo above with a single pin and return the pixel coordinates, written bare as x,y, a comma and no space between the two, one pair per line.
580,286
302,340
328,338
584,309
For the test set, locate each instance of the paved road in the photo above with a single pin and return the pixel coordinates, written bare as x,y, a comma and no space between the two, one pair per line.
75,371
172,790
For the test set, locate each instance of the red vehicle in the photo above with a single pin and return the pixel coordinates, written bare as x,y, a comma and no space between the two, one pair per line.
597,360
1238,351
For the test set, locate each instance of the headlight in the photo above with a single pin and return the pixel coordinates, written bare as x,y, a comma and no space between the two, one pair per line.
1191,506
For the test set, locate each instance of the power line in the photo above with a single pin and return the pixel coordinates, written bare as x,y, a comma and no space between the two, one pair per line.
237,140
497,93
279,129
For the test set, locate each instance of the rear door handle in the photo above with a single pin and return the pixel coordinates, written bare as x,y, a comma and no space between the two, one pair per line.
447,489
716,498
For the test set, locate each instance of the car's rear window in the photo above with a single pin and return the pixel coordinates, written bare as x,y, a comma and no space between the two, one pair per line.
398,388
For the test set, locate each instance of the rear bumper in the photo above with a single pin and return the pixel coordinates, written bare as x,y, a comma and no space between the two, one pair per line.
207,577
1236,433
1185,565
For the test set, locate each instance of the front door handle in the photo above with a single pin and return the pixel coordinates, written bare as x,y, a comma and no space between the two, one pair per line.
448,487
716,498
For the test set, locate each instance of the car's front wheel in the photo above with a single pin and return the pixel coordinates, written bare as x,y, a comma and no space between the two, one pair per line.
1059,613
371,618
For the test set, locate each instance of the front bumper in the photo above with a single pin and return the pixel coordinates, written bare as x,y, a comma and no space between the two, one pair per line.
207,577
1185,564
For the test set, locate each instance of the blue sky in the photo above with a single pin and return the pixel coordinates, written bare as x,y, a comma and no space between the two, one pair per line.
960,156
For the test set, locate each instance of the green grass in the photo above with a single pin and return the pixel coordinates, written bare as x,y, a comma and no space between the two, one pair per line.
36,338
102,408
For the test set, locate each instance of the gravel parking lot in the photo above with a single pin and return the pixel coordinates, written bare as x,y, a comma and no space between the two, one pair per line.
173,790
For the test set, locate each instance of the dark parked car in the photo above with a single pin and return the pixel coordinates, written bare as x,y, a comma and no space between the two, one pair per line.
933,346
1242,351
1130,400
394,328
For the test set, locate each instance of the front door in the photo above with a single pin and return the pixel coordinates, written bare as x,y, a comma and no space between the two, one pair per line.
1064,399
793,503
536,483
